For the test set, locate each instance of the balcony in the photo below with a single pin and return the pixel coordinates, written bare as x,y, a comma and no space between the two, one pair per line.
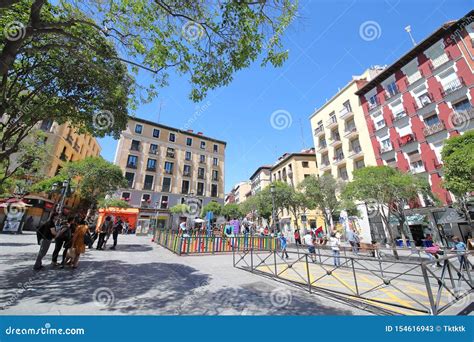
373,105
69,139
332,122
413,78
406,139
389,95
339,159
399,115
76,147
186,173
452,87
151,168
418,168
147,186
135,148
153,151
346,113
335,141
433,129
170,154
200,176
215,179
386,148
443,59
318,131
168,171
325,165
63,156
132,166
323,146
355,152
351,132
379,125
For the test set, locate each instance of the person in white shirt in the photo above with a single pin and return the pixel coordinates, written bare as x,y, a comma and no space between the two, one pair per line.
309,242
334,242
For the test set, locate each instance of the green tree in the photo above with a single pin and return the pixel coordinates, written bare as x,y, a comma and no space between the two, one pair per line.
458,167
59,60
297,204
179,209
259,205
321,193
94,178
213,206
113,202
232,210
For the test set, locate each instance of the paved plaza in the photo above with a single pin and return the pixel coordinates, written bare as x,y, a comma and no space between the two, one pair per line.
143,278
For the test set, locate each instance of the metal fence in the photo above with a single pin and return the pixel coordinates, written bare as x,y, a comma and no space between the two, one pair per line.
202,244
384,284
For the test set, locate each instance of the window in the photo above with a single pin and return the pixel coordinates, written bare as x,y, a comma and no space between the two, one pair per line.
156,133
213,190
359,164
306,175
202,158
189,141
343,173
138,129
201,173
462,106
185,187
170,152
126,196
424,99
166,186
200,189
187,170
188,155
132,161
380,124
168,167
203,145
135,145
46,125
148,183
215,175
164,202
172,137
392,88
146,198
153,148
432,120
215,161
305,164
151,165
373,101
129,176
216,148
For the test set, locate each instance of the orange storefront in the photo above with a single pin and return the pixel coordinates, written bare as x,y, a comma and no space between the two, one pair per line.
129,215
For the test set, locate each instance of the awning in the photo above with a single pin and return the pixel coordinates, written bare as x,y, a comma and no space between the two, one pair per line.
451,215
411,219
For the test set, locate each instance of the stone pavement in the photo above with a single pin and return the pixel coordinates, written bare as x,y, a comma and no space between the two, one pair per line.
141,278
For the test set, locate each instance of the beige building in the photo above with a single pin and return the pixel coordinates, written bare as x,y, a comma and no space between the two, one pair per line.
166,166
341,136
260,179
241,191
293,168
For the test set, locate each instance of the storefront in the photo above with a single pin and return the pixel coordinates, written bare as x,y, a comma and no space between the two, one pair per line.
127,215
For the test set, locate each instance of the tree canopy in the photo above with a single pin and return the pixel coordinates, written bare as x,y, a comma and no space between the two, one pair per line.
231,211
213,206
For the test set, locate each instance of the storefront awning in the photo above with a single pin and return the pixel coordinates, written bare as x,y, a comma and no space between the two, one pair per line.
411,219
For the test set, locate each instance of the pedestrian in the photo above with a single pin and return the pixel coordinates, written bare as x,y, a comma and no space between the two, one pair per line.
283,244
68,242
78,242
297,237
126,227
309,242
354,241
102,231
266,231
460,249
432,253
62,237
116,230
334,242
45,234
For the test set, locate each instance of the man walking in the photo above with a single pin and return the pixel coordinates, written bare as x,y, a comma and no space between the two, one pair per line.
62,237
116,230
46,232
309,242
103,231
335,243
354,241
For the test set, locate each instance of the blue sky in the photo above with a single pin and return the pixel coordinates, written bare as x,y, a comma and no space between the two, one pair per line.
325,49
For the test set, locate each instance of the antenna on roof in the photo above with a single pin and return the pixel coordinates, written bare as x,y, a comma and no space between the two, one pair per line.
159,111
302,134
408,29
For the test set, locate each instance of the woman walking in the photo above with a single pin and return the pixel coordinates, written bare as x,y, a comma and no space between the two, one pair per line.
335,243
78,245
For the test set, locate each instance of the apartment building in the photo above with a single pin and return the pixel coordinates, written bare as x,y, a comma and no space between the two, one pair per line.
240,192
341,137
165,166
422,99
260,179
292,168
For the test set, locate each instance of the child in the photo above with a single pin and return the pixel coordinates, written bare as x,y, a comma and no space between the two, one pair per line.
460,248
334,242
283,245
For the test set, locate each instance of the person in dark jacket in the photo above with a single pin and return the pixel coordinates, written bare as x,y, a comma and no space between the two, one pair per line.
103,230
115,232
62,237
45,234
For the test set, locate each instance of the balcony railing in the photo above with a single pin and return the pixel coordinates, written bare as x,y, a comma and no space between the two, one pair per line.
380,125
417,168
151,168
399,115
322,145
153,151
452,86
406,139
350,131
147,186
432,129
346,113
186,173
170,154
135,148
331,122
168,171
200,176
436,63
338,158
389,95
319,130
375,104
132,166
355,151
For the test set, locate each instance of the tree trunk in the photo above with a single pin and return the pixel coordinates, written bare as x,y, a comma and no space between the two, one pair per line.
386,220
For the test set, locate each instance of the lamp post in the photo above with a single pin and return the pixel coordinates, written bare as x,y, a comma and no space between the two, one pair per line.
65,190
272,191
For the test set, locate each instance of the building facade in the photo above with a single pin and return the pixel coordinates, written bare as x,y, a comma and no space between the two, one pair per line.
165,166
260,179
293,168
240,191
340,133
422,99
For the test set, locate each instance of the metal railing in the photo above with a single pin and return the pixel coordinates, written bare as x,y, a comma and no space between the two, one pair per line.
376,282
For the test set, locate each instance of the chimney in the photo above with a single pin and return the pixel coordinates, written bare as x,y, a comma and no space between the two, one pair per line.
200,133
190,131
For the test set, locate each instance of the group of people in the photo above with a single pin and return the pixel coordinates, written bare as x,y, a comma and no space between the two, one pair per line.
71,235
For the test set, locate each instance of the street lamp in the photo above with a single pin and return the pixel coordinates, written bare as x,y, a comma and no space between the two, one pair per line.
66,190
272,191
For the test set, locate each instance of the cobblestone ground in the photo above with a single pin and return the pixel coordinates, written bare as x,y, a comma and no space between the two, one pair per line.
141,278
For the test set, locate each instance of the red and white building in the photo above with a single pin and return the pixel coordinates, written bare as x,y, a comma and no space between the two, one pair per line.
422,99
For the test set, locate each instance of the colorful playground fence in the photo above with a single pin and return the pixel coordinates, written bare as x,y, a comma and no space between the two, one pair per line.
201,244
